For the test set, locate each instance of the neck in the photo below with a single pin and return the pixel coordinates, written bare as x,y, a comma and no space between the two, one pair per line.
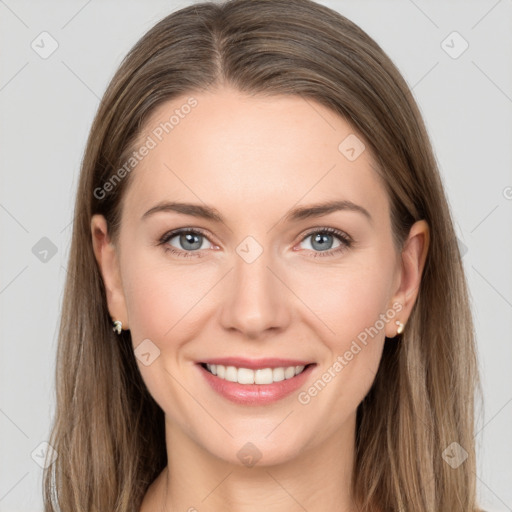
316,479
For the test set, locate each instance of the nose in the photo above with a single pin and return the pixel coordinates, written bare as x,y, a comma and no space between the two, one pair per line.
257,301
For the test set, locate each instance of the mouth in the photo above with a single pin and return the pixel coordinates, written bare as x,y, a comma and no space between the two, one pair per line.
259,376
250,382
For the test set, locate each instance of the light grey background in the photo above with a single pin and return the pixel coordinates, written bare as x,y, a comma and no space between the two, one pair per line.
47,106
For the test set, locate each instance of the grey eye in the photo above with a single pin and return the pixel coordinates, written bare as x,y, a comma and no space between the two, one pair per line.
188,241
321,241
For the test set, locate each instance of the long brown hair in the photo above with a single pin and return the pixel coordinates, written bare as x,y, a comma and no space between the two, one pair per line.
108,430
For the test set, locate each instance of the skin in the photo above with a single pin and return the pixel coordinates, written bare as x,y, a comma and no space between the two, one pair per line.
253,159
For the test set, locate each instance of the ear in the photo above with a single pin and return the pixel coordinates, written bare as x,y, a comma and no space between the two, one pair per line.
413,257
108,262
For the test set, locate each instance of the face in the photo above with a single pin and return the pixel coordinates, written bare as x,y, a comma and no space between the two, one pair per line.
257,284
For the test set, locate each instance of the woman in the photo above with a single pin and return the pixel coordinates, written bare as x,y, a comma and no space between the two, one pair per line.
313,348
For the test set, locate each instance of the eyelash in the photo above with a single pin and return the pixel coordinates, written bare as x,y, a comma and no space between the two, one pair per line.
346,242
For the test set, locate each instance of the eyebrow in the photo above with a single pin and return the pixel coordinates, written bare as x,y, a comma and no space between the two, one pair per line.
296,214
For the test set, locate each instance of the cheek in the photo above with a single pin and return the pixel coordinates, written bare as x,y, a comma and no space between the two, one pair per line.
163,302
351,306
346,300
161,297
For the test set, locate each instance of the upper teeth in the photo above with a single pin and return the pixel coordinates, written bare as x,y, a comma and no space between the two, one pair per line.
248,376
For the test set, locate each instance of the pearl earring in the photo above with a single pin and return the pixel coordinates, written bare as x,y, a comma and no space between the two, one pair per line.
400,328
118,326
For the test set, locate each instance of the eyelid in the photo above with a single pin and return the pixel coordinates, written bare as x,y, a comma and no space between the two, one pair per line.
174,232
334,231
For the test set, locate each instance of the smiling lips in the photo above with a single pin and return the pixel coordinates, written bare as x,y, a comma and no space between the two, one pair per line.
255,382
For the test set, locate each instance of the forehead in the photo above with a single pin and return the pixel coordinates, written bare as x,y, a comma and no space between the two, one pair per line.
231,149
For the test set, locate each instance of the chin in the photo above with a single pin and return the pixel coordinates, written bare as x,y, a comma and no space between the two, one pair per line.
259,448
